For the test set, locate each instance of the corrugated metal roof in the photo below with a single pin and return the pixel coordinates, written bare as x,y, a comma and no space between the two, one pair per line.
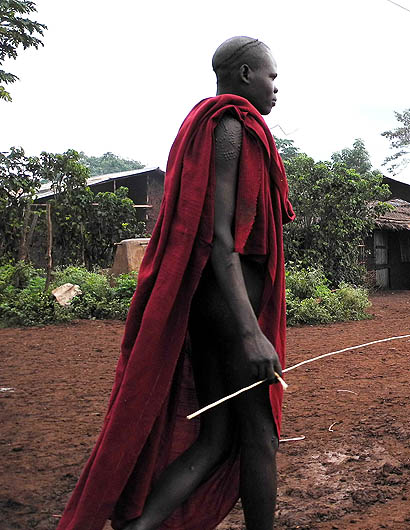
45,190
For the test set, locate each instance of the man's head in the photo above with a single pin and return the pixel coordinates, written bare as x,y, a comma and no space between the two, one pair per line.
245,67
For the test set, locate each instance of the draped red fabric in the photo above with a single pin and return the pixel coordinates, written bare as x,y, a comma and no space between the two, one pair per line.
145,427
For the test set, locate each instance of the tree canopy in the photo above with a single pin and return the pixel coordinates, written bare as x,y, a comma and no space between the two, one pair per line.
335,207
286,148
19,181
108,163
15,30
85,225
400,141
355,157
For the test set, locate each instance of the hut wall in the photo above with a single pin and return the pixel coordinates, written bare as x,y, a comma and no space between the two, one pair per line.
399,270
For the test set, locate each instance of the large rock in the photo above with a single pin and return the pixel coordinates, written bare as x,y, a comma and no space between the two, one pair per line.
128,256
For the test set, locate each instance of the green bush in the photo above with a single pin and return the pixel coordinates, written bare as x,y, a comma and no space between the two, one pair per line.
91,283
306,283
94,287
24,301
125,285
310,300
99,299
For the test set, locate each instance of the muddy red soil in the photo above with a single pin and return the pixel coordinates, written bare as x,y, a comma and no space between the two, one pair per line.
352,470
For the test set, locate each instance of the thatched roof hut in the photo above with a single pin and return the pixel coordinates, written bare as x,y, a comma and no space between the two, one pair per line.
389,246
397,219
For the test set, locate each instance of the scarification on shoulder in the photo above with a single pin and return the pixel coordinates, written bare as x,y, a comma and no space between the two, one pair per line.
228,139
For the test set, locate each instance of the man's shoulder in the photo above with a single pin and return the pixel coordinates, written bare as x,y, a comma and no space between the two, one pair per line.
228,137
229,124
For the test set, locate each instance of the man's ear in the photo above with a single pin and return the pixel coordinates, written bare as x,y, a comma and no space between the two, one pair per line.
244,73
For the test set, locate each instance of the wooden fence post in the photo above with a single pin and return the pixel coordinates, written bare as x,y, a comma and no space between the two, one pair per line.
23,240
49,256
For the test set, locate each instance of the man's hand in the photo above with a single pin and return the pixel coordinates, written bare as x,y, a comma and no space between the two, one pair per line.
262,357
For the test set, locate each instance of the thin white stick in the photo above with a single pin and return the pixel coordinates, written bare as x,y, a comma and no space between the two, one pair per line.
341,351
200,411
281,381
211,405
296,439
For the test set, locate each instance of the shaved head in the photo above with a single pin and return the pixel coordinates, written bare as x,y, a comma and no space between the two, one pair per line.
245,67
236,51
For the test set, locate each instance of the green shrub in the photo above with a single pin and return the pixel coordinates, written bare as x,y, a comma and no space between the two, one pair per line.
27,304
24,301
94,287
354,300
125,285
94,284
306,283
309,299
98,299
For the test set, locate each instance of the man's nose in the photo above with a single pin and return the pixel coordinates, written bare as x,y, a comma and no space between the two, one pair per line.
275,89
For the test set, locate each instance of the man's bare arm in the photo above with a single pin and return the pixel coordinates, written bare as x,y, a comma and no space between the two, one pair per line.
226,263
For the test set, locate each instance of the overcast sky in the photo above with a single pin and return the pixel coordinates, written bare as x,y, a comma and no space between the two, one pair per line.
121,75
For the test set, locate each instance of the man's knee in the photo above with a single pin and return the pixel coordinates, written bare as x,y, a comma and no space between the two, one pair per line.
260,435
216,449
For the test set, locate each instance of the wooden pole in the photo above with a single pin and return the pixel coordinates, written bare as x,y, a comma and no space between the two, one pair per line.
49,256
23,240
31,233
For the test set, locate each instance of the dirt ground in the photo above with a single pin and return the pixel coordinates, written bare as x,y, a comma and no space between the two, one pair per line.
352,470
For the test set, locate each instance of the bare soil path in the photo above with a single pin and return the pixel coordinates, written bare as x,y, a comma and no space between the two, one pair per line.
352,471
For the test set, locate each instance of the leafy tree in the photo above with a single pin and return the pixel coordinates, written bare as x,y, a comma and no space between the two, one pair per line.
19,181
70,204
16,30
286,148
111,219
336,208
400,140
108,163
356,158
85,225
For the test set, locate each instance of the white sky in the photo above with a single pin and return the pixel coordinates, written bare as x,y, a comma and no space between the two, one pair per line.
121,75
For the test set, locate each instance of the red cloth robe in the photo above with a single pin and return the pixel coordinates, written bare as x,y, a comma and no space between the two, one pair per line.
145,427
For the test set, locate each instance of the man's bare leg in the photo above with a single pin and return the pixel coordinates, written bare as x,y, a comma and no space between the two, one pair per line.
252,411
219,368
196,464
259,443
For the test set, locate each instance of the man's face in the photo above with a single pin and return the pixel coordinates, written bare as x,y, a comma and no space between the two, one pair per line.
261,91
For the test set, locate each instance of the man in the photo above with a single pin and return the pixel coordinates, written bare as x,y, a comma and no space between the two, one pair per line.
210,301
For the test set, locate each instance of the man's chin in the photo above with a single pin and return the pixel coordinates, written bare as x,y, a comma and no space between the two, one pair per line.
266,111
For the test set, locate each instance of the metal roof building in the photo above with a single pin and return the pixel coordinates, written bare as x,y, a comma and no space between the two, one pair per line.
145,188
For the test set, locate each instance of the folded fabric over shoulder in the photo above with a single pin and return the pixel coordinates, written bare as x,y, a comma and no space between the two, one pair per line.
145,427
